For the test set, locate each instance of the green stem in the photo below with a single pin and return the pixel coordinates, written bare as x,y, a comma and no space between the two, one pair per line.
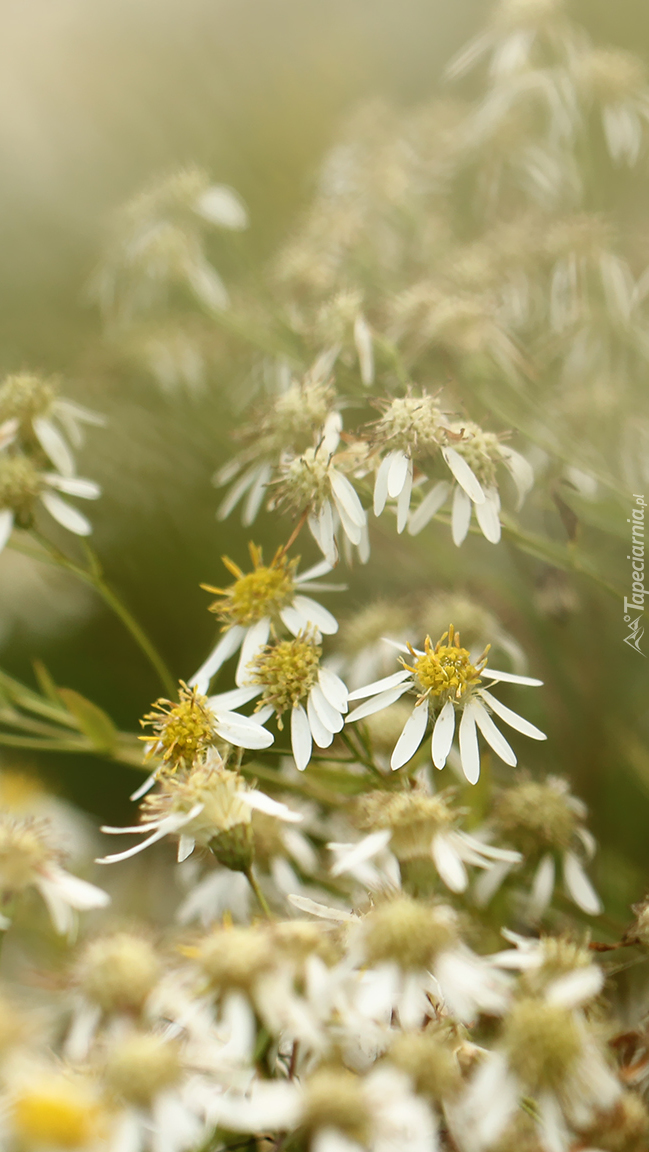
93,576
254,884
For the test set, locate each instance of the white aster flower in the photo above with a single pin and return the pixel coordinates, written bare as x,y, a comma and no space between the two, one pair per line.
27,860
337,1111
546,823
287,675
616,82
546,1051
31,408
446,682
271,594
517,29
22,484
415,825
472,460
209,806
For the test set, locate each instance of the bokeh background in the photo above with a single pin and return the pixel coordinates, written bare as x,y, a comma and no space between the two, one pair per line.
95,102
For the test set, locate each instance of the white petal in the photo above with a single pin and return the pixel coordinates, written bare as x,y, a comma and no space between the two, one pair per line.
403,503
579,886
66,515
521,471
324,533
335,689
237,491
76,892
273,1104
542,888
354,854
6,526
263,803
345,494
397,473
430,505
443,733
351,530
242,731
323,911
490,850
293,620
380,685
330,716
144,788
74,486
492,734
314,613
488,884
255,639
487,515
235,698
225,648
222,206
8,431
322,736
510,678
512,718
333,1140
53,445
575,988
377,703
186,845
381,484
449,864
411,737
364,348
469,748
460,516
464,475
256,495
301,741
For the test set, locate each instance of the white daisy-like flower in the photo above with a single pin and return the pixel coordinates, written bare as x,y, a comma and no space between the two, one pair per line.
546,1051
287,675
27,860
516,29
411,952
552,962
271,594
32,405
411,431
315,484
546,823
416,825
447,682
206,807
22,484
616,82
473,460
337,1111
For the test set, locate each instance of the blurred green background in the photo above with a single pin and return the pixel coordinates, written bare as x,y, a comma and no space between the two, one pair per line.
95,101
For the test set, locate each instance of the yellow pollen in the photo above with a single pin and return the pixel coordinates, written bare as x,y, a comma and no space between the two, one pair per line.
262,592
288,670
446,670
182,731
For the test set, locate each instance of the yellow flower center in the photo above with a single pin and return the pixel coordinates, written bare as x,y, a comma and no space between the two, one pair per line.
210,784
23,853
288,670
57,1113
20,484
408,932
183,730
262,592
446,670
25,396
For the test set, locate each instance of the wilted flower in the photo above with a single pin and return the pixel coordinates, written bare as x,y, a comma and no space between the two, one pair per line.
447,681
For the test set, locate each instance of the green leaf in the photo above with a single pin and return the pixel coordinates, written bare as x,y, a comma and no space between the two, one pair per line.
91,719
45,682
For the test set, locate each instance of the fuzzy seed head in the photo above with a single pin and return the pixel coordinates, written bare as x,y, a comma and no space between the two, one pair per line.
208,783
542,1043
287,670
20,484
428,1059
119,972
408,932
182,731
536,816
481,450
24,853
298,414
141,1066
235,957
26,396
413,817
56,1111
305,480
334,1099
415,424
